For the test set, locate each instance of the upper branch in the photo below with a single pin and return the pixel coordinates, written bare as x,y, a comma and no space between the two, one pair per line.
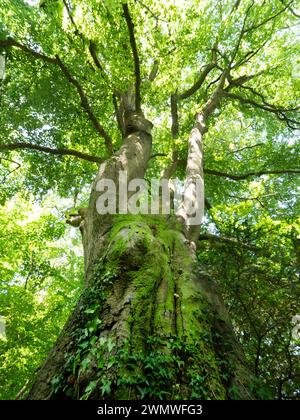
10,42
86,106
215,98
249,55
253,27
136,59
292,10
280,112
197,85
241,177
92,46
189,92
174,115
72,19
92,50
241,35
59,151
172,166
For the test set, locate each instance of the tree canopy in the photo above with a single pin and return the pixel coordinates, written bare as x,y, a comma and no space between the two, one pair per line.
64,66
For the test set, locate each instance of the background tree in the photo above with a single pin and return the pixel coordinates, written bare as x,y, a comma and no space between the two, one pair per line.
163,89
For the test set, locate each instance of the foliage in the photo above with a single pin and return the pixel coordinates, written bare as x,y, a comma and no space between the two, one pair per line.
40,280
261,287
257,266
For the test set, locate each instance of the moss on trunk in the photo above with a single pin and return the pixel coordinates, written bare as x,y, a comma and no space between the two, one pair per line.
148,325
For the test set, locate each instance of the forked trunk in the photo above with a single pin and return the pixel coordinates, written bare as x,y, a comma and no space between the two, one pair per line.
149,323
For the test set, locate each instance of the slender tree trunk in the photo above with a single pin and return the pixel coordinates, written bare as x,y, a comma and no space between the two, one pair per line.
149,323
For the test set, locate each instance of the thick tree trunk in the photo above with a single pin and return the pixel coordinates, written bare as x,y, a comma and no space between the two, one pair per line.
149,323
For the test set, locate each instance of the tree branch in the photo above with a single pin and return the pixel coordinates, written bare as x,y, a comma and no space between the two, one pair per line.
247,57
45,149
72,19
172,166
251,174
118,114
9,42
244,148
151,13
236,6
292,10
174,115
154,71
240,81
197,85
92,46
92,50
280,112
216,238
252,28
137,70
18,165
189,92
237,46
215,98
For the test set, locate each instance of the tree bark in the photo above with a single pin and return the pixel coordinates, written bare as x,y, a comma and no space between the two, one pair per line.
149,323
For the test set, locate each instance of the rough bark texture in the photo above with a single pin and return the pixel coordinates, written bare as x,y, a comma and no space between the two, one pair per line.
193,202
149,324
164,330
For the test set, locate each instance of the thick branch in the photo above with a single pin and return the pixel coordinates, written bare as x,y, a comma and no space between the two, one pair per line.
174,115
215,98
240,81
10,42
171,168
193,201
59,151
136,59
118,114
251,174
189,92
92,50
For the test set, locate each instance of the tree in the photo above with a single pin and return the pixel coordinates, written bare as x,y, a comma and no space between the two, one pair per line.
40,282
198,90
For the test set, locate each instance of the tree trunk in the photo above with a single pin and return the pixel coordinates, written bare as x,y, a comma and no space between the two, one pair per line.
149,323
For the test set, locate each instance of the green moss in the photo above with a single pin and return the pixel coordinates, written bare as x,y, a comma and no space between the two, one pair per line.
169,352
